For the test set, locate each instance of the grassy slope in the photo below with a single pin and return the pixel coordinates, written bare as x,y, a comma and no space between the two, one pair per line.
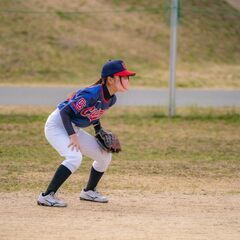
198,144
70,48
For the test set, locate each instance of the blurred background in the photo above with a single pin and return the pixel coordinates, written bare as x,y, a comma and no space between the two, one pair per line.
178,177
58,42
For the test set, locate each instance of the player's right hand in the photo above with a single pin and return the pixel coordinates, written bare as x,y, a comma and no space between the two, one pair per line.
74,144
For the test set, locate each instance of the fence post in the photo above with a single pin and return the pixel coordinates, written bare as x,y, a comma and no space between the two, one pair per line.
173,56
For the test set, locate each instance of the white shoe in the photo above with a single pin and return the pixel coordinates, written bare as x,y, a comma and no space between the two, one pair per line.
50,201
93,196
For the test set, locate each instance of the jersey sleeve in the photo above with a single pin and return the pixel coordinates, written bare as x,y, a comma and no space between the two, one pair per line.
66,115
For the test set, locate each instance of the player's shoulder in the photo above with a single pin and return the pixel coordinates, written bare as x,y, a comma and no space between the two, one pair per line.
91,92
95,89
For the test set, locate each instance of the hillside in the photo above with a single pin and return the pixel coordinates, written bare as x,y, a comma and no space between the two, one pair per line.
66,42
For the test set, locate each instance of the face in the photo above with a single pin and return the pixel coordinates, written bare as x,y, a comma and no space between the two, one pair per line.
121,83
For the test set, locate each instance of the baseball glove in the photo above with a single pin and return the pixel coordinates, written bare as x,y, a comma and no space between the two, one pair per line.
108,141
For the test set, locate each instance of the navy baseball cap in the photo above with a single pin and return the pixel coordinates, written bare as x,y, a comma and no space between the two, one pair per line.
116,68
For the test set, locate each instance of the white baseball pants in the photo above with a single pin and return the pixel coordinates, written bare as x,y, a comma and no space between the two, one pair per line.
59,139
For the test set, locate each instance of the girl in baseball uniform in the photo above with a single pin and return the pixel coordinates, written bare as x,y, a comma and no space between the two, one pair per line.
64,131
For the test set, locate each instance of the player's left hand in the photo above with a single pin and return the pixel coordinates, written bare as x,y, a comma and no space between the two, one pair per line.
108,141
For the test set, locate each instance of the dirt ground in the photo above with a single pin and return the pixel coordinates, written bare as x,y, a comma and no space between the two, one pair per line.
128,215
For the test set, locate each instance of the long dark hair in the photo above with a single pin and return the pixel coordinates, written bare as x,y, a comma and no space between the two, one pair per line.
102,80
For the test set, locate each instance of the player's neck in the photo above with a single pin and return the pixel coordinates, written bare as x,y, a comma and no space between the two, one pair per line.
106,93
111,89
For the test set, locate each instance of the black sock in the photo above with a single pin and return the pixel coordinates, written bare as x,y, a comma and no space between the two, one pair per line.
61,174
93,180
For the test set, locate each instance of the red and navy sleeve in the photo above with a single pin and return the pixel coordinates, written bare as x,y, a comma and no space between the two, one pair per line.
67,114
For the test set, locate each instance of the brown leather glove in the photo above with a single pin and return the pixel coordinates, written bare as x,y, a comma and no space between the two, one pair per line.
108,141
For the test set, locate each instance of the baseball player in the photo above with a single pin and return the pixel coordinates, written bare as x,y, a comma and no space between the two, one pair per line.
64,131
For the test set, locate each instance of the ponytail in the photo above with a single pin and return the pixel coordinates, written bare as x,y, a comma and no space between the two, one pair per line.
100,81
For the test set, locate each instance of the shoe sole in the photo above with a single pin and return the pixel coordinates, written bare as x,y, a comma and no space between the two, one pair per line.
92,200
45,205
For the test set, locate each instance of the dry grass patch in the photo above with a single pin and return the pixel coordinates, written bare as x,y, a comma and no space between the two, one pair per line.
196,144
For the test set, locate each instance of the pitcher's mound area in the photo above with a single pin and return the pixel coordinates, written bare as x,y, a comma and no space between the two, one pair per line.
128,215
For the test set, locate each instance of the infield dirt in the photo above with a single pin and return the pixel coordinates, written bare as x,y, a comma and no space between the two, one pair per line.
128,215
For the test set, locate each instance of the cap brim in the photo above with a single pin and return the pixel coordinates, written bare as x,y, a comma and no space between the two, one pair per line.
125,73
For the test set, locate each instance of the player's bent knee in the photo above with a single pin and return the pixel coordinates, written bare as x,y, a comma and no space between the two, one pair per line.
103,162
108,159
73,162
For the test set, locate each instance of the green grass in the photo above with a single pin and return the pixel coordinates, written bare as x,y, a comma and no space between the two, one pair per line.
199,143
44,44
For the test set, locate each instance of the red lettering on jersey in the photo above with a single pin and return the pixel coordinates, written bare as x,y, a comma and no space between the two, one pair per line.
92,113
80,104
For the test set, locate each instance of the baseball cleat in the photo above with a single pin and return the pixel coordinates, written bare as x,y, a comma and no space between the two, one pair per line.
50,201
93,196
